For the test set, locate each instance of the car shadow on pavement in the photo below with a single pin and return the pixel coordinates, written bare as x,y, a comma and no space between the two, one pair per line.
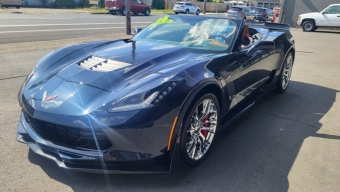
256,152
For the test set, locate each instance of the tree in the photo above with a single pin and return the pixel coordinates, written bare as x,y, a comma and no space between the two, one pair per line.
128,17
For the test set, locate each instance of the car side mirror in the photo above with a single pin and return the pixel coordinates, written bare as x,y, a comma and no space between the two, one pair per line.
261,45
137,30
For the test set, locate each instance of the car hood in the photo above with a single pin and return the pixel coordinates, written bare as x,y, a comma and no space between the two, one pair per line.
310,14
121,63
70,88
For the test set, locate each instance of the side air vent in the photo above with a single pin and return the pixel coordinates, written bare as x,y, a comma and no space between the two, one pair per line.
103,65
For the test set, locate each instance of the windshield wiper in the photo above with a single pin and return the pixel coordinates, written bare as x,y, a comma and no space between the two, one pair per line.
129,40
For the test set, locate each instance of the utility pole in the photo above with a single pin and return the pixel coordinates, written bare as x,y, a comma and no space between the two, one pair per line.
283,5
128,17
204,6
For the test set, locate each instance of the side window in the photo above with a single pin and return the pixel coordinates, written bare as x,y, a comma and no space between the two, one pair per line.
188,4
139,1
332,10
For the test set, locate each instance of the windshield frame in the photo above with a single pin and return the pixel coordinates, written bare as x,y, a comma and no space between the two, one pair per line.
199,19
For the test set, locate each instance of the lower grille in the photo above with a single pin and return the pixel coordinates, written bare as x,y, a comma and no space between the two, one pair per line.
69,136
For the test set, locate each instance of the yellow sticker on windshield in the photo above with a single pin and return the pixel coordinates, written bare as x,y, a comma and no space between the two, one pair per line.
163,20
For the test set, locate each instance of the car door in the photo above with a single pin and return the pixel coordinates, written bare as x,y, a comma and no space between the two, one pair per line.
191,8
331,16
226,69
133,6
139,5
257,63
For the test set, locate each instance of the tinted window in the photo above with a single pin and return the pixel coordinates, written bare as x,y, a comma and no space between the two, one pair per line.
236,9
179,3
259,10
188,4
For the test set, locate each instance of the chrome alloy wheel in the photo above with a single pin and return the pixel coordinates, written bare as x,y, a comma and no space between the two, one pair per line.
287,71
202,129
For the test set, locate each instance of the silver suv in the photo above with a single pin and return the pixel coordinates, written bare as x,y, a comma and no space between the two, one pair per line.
241,12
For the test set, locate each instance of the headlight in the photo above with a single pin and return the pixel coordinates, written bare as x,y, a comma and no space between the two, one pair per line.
147,95
299,18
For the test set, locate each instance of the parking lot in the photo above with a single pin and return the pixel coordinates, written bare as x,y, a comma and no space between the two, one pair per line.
286,142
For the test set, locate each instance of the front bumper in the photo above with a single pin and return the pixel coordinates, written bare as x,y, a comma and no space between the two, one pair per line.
298,23
95,161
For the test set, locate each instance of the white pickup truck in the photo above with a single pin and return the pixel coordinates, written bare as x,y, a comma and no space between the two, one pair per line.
329,17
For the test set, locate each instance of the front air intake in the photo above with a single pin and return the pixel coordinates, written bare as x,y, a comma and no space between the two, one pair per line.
104,65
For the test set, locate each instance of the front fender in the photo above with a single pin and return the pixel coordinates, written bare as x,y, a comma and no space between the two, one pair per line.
175,149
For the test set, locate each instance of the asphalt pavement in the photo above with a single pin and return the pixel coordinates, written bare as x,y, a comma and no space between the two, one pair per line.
16,28
286,142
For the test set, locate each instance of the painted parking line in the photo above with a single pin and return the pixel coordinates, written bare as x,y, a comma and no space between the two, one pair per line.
54,30
39,25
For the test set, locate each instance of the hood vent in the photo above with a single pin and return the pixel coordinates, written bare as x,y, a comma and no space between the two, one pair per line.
103,65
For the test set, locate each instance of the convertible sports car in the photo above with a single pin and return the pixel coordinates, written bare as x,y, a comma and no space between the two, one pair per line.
153,102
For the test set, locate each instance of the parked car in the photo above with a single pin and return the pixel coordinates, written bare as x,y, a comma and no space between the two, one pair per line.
187,8
276,11
11,3
118,6
242,12
329,17
153,102
263,14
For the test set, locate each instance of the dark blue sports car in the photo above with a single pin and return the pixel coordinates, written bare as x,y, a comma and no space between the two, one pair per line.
153,102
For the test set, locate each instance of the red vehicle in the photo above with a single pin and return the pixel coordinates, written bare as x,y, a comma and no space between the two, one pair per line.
118,6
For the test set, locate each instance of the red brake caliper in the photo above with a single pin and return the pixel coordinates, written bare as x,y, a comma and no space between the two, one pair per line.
205,124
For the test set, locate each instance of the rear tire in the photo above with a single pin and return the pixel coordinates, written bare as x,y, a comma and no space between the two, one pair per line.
198,12
113,12
285,74
196,142
187,11
18,7
176,13
308,26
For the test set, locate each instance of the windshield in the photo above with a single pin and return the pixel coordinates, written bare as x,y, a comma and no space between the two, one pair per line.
214,34
236,9
259,10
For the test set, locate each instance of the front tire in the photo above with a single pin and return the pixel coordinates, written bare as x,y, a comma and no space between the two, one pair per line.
147,12
198,12
308,26
187,11
113,12
285,74
199,129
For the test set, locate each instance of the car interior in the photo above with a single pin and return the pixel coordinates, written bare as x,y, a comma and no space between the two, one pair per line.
247,38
